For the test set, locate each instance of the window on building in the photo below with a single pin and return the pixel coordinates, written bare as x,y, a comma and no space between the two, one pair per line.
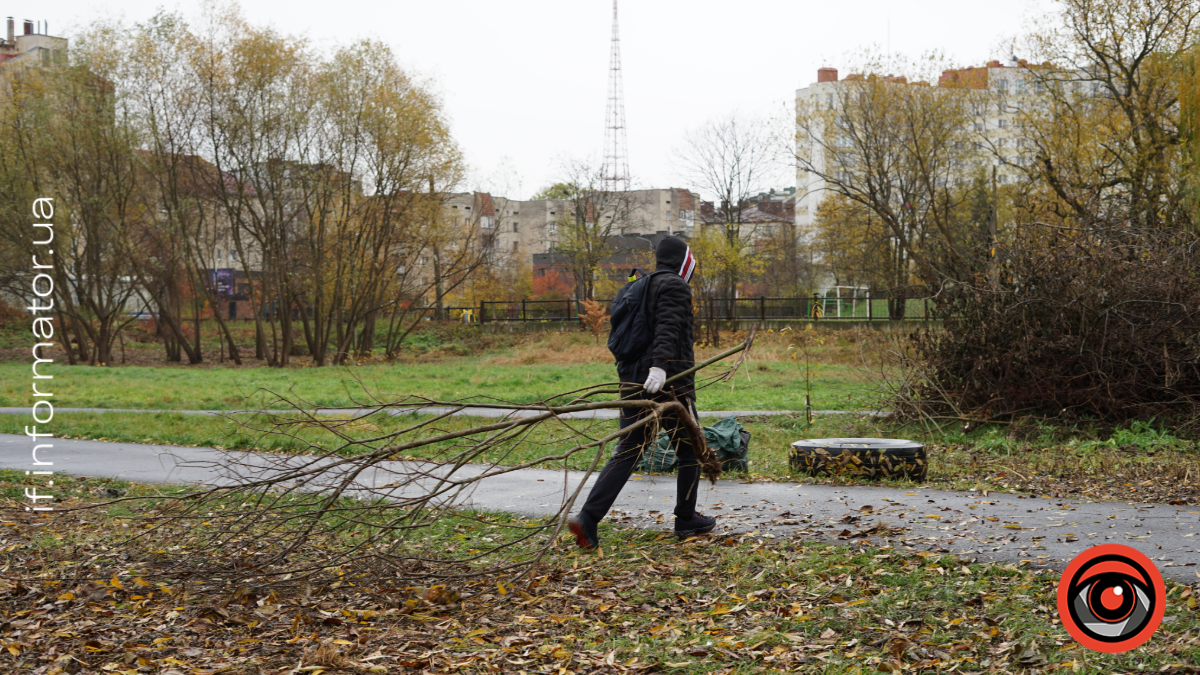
233,255
551,213
1002,86
516,227
516,246
552,228
830,99
1003,124
979,126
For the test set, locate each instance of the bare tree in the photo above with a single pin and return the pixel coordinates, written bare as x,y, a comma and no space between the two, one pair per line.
183,227
86,149
256,95
733,159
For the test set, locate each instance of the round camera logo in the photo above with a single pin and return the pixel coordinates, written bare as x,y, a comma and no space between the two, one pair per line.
1111,598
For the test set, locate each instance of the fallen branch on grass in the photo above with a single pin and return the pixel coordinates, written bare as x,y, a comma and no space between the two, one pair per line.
371,502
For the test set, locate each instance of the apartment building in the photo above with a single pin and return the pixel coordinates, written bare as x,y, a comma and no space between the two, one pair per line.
764,216
33,46
998,141
532,228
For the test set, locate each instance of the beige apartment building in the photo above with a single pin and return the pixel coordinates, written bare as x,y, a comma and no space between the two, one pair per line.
529,228
32,47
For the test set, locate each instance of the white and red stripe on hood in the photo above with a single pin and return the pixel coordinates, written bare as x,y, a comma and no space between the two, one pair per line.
673,253
688,266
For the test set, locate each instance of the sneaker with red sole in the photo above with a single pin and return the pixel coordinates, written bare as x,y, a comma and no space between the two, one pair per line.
586,536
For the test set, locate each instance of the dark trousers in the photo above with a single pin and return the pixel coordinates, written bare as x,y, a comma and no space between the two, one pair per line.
629,450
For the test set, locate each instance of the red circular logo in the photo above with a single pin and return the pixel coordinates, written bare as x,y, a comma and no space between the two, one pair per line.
1111,598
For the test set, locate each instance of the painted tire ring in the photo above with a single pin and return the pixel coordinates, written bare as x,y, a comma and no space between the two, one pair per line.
859,458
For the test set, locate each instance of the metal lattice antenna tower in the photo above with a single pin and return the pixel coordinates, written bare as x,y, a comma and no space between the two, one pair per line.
614,174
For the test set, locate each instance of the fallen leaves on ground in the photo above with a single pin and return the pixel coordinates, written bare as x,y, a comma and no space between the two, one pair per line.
727,604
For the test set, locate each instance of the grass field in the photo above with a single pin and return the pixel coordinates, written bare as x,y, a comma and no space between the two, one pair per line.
80,599
526,373
1140,461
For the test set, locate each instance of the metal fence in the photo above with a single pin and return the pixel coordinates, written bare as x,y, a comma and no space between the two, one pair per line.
532,310
860,307
864,307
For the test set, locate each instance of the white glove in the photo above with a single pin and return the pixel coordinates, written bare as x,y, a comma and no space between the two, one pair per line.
654,383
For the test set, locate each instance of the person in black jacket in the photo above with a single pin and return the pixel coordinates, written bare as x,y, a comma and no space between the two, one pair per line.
669,315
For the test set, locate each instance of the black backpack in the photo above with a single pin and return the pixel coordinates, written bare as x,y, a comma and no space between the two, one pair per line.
630,336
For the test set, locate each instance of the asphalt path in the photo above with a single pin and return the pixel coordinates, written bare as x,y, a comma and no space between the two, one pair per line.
1005,528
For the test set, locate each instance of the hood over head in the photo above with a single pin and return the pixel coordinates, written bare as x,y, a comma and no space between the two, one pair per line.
675,255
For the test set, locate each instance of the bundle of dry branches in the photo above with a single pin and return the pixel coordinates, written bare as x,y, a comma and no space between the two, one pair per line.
1095,324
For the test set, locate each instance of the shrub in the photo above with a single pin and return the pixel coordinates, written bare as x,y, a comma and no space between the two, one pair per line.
593,317
1102,325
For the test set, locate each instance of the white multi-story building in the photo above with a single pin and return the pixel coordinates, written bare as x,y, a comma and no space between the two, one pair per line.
994,129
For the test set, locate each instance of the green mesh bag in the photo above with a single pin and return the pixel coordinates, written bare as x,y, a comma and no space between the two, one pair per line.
727,438
731,442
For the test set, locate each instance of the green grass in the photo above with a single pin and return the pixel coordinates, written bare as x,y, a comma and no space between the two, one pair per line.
771,385
771,435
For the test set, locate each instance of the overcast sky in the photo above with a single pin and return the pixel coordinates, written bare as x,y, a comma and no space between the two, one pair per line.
524,81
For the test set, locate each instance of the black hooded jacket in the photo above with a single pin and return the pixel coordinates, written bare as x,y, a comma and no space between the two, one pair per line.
670,315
